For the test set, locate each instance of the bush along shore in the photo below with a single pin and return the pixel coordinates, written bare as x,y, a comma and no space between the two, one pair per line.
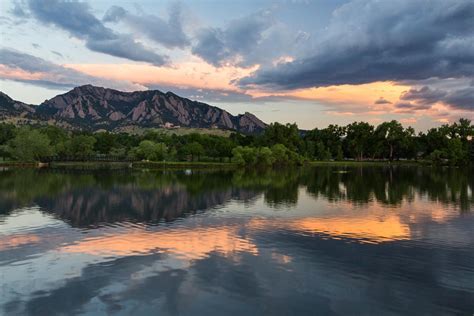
278,145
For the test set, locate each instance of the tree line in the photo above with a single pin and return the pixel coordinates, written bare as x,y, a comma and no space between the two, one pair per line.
279,144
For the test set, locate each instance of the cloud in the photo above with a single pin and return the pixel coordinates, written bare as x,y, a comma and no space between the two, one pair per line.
18,10
22,67
76,18
424,95
57,53
381,100
218,46
218,95
462,99
369,40
408,107
168,33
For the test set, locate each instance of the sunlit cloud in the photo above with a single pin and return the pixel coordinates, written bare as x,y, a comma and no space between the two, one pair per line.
199,243
193,73
13,241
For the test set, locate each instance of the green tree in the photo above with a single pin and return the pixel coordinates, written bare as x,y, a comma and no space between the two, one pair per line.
280,154
81,146
150,150
359,138
245,155
194,149
7,132
264,157
436,157
29,145
105,142
322,153
392,137
224,147
58,137
455,152
287,135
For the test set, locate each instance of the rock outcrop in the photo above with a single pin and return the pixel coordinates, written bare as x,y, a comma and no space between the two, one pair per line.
90,107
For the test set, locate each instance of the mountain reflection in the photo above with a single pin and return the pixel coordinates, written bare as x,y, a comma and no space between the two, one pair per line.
85,199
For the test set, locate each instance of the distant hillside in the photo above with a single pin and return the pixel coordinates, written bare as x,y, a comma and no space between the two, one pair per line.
10,108
94,108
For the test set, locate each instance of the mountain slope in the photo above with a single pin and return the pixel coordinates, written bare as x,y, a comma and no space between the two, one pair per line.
10,108
91,107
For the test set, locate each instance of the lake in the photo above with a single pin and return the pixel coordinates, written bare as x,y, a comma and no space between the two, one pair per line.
328,240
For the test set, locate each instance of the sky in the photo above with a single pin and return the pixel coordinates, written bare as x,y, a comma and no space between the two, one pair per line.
313,63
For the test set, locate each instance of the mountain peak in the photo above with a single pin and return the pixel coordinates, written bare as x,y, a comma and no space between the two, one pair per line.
88,89
91,107
4,96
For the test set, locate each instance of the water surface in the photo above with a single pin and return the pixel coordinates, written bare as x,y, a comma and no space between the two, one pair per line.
321,240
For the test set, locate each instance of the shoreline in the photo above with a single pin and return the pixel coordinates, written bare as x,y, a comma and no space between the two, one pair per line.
193,165
369,163
122,165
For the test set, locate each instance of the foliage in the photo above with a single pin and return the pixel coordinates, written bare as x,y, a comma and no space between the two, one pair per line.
81,146
194,149
263,156
359,137
29,145
279,144
149,150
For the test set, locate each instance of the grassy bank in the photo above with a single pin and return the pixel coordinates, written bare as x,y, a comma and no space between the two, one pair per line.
183,165
18,164
91,165
365,163
94,165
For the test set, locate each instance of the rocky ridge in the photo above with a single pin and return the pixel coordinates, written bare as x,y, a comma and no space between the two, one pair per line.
93,108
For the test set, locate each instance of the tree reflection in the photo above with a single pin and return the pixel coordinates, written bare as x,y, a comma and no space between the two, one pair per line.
90,198
391,185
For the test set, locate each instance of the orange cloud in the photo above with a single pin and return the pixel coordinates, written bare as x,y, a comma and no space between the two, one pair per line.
13,241
364,229
19,74
364,94
186,244
194,74
367,228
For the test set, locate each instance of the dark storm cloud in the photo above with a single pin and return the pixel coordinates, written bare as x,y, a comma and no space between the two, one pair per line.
408,107
217,46
424,95
169,33
76,18
462,99
53,76
369,40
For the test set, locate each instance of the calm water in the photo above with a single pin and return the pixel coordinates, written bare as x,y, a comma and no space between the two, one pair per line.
323,240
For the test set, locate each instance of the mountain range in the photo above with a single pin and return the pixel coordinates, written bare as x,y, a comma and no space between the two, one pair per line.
95,108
